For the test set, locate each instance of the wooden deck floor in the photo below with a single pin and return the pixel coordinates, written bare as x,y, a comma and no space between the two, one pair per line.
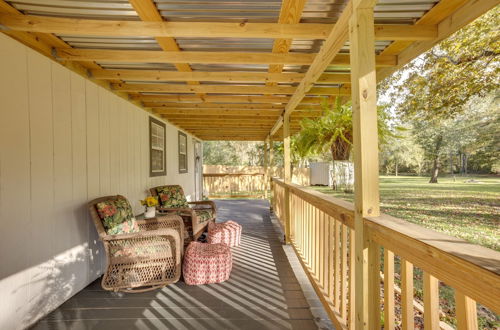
267,290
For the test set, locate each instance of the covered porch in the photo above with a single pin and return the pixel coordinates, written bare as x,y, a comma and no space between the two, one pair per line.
81,89
268,289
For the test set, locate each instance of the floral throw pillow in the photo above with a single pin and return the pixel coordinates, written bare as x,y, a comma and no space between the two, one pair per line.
117,217
172,197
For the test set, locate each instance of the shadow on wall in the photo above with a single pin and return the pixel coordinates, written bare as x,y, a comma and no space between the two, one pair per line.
55,281
37,290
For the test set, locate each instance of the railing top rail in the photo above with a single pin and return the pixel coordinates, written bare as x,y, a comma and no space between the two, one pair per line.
472,269
334,207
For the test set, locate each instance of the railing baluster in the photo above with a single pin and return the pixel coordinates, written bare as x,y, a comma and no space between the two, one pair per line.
343,274
321,249
431,302
337,265
352,290
331,258
373,278
317,242
466,311
407,314
388,289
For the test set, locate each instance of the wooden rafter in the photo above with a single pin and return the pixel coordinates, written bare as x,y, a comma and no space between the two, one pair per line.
328,52
226,89
147,11
290,13
152,56
283,32
156,75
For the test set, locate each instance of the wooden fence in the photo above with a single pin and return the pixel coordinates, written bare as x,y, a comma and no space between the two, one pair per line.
321,230
224,185
244,181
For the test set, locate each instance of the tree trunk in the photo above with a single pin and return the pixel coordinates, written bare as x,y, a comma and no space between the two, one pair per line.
436,165
435,171
465,163
451,163
396,167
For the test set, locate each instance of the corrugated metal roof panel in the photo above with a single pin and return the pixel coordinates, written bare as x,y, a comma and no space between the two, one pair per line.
97,9
220,11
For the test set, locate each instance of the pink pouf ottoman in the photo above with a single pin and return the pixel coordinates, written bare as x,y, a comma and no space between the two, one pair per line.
207,263
228,232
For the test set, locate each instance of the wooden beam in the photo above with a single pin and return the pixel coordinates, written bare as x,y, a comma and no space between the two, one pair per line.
226,89
228,99
209,105
223,112
284,30
156,75
365,136
219,89
218,117
153,56
193,99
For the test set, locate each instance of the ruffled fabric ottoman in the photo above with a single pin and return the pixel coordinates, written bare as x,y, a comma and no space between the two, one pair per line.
207,263
228,233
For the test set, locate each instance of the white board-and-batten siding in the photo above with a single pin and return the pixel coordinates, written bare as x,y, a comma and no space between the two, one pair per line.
64,141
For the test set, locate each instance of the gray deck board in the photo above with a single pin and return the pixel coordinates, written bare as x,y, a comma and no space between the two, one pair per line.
267,290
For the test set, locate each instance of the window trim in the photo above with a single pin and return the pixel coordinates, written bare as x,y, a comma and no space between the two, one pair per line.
182,170
164,126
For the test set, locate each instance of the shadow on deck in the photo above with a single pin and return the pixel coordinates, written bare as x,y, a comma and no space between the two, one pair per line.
267,290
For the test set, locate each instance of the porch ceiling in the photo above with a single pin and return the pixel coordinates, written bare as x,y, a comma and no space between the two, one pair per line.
227,70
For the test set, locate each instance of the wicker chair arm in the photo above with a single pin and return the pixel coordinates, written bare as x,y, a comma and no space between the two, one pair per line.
161,218
211,204
144,233
164,209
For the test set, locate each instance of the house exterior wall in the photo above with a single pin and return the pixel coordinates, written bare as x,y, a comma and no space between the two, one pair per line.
64,141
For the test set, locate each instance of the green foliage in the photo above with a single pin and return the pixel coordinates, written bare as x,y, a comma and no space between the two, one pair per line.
441,81
333,131
233,153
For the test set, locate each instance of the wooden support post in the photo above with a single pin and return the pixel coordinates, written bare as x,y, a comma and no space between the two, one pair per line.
266,164
364,104
287,174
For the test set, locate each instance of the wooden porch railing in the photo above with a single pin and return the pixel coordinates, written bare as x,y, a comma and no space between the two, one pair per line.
234,185
321,230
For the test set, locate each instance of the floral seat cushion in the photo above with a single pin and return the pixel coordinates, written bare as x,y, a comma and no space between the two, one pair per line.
172,197
117,217
204,215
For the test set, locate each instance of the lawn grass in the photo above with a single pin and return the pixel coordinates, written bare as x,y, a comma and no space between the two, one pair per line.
468,210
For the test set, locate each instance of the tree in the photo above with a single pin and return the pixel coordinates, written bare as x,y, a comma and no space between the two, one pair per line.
438,85
401,150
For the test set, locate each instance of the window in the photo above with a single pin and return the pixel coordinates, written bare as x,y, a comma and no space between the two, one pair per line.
157,164
183,166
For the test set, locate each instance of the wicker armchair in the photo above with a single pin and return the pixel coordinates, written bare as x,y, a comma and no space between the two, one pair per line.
143,260
173,200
